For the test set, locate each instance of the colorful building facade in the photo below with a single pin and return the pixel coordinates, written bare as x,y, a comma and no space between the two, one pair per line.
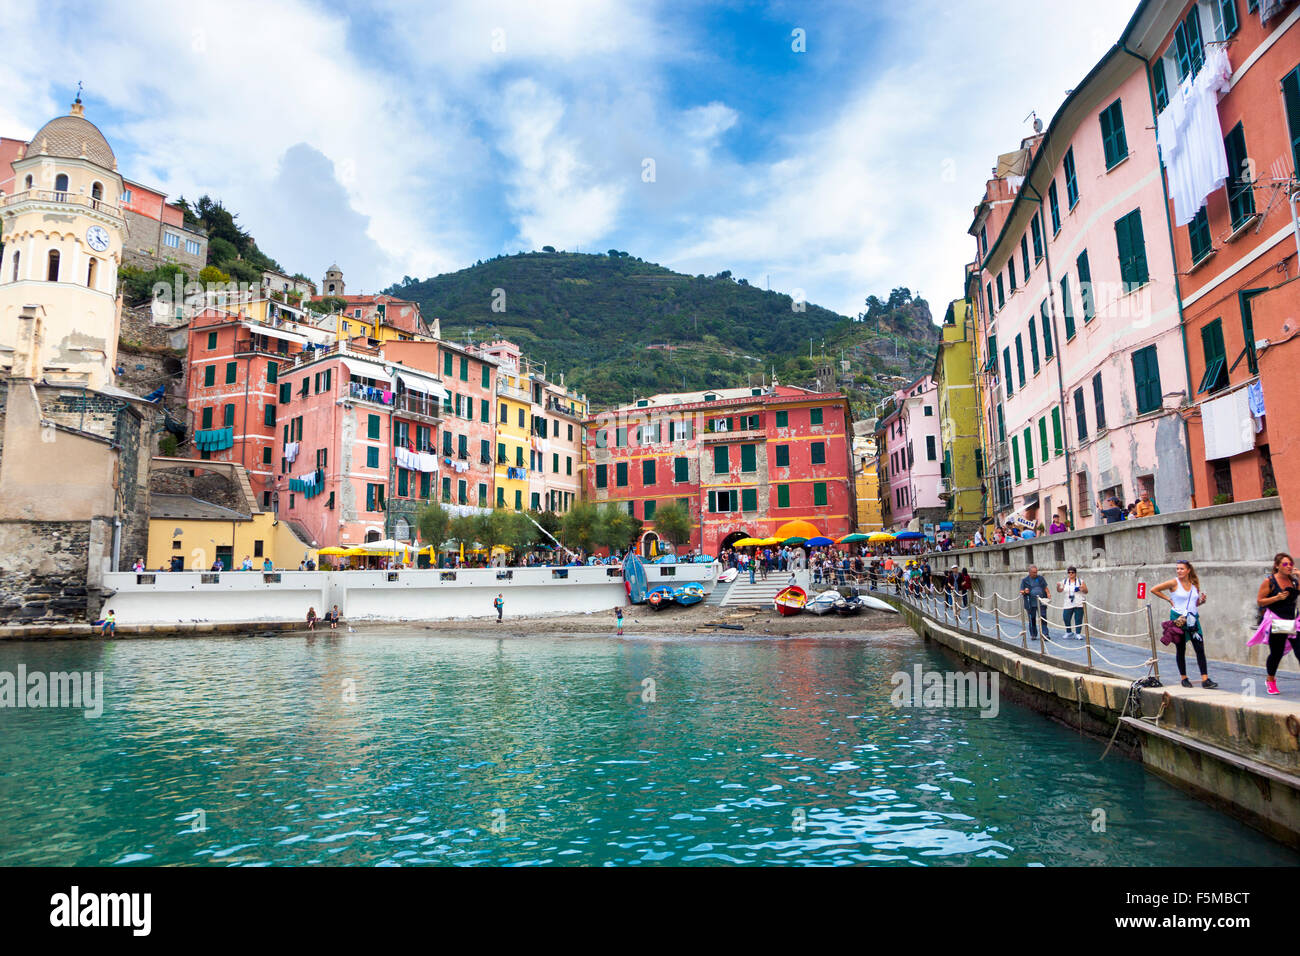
962,471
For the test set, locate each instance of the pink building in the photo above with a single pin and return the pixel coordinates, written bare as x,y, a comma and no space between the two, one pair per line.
1080,318
911,467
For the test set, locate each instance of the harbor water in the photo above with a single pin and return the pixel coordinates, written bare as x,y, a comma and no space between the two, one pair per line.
403,746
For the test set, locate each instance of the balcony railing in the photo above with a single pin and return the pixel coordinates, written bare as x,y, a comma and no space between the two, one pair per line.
367,393
72,199
519,394
419,405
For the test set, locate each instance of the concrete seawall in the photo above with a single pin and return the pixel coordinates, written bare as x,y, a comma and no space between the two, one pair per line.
1231,546
1239,753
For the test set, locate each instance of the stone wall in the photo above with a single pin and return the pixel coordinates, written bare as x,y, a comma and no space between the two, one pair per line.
1230,546
206,486
43,572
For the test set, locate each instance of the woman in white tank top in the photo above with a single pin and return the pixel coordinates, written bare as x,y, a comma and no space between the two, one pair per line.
1185,598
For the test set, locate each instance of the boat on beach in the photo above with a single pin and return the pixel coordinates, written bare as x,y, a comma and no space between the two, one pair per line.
823,603
688,594
791,600
659,597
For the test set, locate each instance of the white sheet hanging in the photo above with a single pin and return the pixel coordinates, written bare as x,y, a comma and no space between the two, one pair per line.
1228,425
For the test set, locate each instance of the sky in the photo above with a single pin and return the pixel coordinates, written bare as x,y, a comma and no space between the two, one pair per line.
829,150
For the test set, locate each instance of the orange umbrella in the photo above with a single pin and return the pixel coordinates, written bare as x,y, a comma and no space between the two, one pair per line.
797,529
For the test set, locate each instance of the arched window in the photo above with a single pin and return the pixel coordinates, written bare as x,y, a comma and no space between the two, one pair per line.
61,187
402,529
90,273
16,254
28,181
97,191
372,535
52,273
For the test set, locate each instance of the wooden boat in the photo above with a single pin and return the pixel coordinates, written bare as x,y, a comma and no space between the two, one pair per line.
791,600
659,597
688,594
848,606
823,603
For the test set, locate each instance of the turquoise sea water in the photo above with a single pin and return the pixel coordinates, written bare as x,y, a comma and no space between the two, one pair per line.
390,746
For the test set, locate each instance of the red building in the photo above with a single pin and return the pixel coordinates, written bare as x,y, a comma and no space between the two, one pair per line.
743,460
1242,241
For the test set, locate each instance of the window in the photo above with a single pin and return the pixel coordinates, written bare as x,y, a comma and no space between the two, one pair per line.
403,483
1033,346
1216,370
1291,96
519,500
519,457
171,240
446,364
1042,439
286,393
1241,195
446,443
681,469
521,425
814,416
928,411
462,446
1006,362
207,417
1132,249
1198,233
372,427
1024,256
749,499
602,476
1020,358
266,456
650,509
1161,85
1189,50
818,452
819,493
1029,452
721,460
1113,141
988,295
723,501
1036,227
269,416
192,247
501,496
464,369
484,410
212,341
1067,307
929,448
1146,379
505,420
1002,425
1002,299
1223,17
782,420
1085,286
1080,415
1099,401
782,456
372,456
1047,331
1056,208
647,471
210,376
482,494
620,474
375,496
1011,272
783,496
1071,180
749,458
1015,457
620,437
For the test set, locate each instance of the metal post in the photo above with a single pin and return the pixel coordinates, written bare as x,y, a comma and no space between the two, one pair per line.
974,614
1087,635
997,620
1024,627
1042,628
1151,633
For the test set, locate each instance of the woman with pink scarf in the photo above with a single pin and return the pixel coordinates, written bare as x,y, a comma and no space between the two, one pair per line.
1277,602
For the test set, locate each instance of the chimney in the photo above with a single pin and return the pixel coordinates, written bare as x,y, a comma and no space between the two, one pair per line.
27,350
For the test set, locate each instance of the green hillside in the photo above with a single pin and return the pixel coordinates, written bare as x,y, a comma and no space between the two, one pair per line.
620,327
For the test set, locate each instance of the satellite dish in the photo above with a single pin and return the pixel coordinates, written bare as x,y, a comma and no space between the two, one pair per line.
1038,125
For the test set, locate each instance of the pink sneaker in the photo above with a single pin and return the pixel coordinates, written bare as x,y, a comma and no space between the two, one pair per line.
1272,685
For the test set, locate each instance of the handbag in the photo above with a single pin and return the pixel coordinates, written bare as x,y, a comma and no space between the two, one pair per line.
1171,632
1283,626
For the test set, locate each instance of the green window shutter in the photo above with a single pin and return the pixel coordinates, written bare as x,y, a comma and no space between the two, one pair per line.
1146,379
486,380
782,456
988,295
1195,47
446,442
1248,328
749,499
1006,362
1198,235
1071,179
818,452
484,410
1020,359
272,373
1037,229
1085,286
713,502
1011,271
1056,207
1047,331
424,485
464,369
446,364
1058,447
1002,425
681,469
1291,96
650,508
647,470
783,496
370,497
1042,440
372,426
1029,452
748,458
482,494
1080,415
372,456
212,340
782,419
286,393
602,476
1113,141
1132,248
519,500
270,415
1099,400
1002,297
1216,372
1241,195
1015,457
1161,86
210,376
501,497
1033,346
819,493
207,417
620,474
1024,256
403,487
228,416
1067,307
462,446
814,416
231,372
721,460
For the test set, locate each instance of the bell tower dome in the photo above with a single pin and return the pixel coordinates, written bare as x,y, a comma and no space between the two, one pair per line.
62,229
333,284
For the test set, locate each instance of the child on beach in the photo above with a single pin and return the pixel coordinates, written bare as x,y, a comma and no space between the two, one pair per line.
618,616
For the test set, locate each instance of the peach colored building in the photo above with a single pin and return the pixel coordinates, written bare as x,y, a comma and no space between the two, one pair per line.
1080,319
911,465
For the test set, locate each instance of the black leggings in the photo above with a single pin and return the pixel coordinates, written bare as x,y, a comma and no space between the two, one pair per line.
1199,647
1277,650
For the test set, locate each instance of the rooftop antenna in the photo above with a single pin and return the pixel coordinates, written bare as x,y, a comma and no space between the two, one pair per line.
1038,124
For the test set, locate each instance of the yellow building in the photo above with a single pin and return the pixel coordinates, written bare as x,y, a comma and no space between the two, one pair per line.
867,481
200,532
514,446
959,418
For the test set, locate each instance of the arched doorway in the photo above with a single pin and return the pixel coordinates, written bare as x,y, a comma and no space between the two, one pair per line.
731,539
52,267
401,529
61,187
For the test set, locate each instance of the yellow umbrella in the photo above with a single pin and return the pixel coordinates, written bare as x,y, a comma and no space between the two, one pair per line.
770,542
797,529
746,543
355,552
880,537
332,552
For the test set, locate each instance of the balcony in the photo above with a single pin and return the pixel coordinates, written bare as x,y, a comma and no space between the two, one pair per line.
571,410
416,404
752,434
509,391
365,393
64,198
280,349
